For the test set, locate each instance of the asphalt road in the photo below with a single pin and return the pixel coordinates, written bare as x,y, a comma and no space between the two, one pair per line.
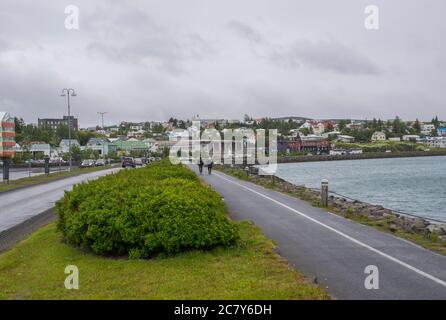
332,249
15,174
22,204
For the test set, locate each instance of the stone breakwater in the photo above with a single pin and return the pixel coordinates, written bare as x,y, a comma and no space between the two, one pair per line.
361,156
354,208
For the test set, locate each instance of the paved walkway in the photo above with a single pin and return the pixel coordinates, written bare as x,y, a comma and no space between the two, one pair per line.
335,250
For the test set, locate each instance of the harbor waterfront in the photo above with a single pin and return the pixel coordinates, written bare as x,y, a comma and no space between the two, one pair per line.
411,185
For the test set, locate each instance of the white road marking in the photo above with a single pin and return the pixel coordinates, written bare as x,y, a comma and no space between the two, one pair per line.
385,255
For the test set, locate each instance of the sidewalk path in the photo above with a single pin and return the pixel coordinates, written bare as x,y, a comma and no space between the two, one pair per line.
335,250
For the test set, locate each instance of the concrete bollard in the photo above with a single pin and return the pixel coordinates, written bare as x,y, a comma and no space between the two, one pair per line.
324,193
247,171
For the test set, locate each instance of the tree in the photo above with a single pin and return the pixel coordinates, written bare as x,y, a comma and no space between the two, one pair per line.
417,126
436,122
399,127
434,133
304,131
62,132
76,154
342,125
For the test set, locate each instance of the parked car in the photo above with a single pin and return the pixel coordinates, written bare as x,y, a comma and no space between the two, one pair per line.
138,162
128,162
58,161
87,164
100,163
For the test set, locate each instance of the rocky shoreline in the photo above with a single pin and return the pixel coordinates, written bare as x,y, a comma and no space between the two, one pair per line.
352,209
361,156
347,207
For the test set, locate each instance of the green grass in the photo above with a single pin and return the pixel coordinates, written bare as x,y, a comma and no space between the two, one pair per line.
30,181
34,269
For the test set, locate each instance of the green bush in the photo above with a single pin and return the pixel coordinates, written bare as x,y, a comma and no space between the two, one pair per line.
158,209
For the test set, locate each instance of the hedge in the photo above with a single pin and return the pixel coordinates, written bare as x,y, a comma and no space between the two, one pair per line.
162,208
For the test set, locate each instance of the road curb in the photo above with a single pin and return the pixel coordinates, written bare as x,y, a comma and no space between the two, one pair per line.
9,237
49,181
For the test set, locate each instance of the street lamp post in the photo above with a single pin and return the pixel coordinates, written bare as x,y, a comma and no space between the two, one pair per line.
67,92
103,151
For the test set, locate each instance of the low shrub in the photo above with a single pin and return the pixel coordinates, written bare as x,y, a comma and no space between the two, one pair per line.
162,208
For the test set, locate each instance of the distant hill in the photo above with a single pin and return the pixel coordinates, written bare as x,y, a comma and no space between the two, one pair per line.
299,119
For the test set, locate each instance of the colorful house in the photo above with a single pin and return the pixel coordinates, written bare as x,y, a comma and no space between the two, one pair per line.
7,135
441,132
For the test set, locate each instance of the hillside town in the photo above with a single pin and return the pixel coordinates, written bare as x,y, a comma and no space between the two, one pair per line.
297,135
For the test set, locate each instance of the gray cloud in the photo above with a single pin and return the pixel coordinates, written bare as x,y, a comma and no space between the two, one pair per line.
332,56
153,59
247,32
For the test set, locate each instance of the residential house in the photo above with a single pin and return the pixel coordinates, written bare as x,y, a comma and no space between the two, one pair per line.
64,145
139,135
437,142
355,125
98,144
40,149
309,144
411,137
441,132
136,127
345,138
378,136
126,147
427,128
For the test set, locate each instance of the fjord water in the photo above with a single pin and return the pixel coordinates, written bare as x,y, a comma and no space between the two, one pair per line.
412,185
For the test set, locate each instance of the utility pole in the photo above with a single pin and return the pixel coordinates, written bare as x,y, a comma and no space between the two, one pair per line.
69,92
102,116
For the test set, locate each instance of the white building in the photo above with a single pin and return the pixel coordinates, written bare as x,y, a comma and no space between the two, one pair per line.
44,148
344,138
426,128
64,145
136,127
411,137
342,152
437,142
378,136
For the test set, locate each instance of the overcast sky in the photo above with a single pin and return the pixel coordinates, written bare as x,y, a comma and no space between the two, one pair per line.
149,60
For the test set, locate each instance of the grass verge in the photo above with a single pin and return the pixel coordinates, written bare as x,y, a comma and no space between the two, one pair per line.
34,269
43,178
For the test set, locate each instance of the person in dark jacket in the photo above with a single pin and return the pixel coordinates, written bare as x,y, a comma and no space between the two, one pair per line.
211,163
200,165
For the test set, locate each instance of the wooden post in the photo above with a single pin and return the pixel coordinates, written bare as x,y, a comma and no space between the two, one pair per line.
324,193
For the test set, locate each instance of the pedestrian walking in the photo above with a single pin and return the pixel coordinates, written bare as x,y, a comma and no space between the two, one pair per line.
211,163
200,165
